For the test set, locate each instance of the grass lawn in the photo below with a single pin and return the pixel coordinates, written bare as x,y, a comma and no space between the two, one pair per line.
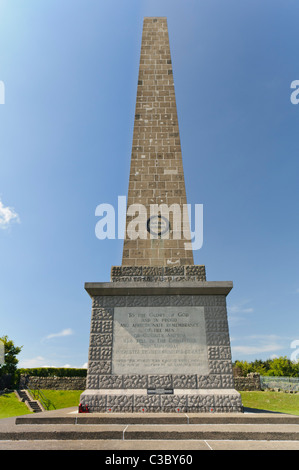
272,401
63,398
11,406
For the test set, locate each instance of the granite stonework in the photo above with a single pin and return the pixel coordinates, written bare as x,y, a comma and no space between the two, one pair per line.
208,350
158,273
156,176
159,338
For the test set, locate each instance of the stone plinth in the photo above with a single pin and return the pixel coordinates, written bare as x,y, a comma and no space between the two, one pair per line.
160,346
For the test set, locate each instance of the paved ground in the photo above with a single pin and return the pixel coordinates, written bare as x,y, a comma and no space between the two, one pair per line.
148,445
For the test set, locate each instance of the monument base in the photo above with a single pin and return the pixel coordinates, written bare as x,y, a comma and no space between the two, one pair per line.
160,342
180,401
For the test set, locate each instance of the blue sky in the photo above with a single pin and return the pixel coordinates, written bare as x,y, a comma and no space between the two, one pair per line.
70,73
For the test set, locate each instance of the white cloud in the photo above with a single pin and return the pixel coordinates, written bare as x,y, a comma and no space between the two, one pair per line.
66,332
258,349
240,308
40,361
258,344
7,215
37,361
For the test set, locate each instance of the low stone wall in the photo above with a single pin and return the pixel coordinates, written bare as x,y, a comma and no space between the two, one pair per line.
250,383
52,383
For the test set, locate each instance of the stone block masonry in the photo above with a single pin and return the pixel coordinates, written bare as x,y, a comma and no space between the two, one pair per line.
172,337
52,383
156,174
158,273
134,381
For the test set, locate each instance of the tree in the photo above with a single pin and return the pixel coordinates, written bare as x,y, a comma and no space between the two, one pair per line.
279,366
10,359
282,366
243,367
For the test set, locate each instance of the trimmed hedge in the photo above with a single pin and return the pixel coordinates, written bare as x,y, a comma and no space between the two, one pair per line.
53,372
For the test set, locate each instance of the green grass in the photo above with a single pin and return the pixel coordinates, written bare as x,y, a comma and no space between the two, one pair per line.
63,398
10,406
272,401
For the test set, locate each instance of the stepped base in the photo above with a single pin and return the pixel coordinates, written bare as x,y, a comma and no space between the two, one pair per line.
70,425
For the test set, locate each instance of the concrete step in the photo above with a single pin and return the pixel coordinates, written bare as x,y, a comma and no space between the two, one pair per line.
69,425
287,432
34,406
25,396
22,395
55,417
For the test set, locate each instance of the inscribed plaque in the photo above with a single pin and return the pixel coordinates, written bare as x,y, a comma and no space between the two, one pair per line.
159,340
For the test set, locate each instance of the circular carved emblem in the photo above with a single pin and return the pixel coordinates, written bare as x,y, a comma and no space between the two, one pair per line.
158,225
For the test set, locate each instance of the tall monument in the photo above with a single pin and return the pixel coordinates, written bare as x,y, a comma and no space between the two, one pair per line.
159,337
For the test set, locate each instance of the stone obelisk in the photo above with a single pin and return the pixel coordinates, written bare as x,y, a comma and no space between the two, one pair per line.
156,175
159,338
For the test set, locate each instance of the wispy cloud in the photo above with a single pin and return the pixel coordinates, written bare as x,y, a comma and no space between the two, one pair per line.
40,361
240,308
66,332
258,344
7,215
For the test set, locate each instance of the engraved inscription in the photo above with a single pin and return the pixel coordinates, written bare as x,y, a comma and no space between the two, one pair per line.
159,340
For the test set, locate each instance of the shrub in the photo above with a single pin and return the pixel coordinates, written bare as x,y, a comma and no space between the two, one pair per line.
279,366
53,371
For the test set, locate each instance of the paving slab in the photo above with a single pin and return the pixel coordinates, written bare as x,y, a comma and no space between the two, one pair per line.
213,431
142,445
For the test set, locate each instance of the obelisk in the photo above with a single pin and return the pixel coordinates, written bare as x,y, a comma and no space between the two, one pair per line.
156,175
159,338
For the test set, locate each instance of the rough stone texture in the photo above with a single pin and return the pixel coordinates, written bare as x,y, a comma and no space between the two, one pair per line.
147,403
52,383
135,381
160,381
206,400
200,402
218,345
158,273
120,403
250,383
184,381
174,403
220,377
